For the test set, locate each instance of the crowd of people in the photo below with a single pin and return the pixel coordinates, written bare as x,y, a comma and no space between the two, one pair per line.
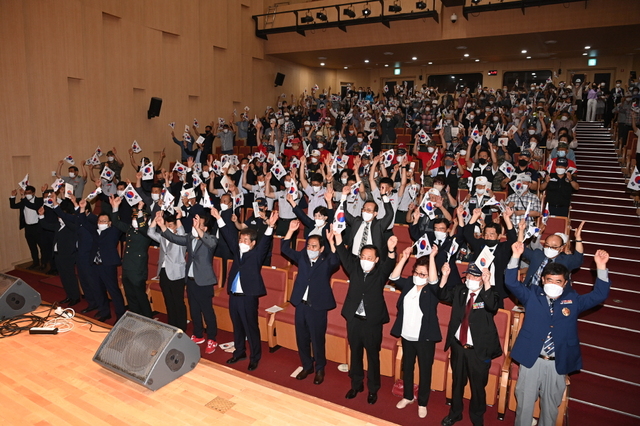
328,168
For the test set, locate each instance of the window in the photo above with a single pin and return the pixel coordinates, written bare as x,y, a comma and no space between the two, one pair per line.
525,78
449,82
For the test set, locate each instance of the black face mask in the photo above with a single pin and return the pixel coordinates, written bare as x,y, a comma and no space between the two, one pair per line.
482,161
523,163
491,243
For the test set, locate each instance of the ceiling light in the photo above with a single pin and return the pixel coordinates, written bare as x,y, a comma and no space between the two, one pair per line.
466,55
528,57
395,8
523,51
420,5
584,54
366,12
386,65
475,1
346,68
587,47
321,16
322,64
366,61
350,13
306,19
415,58
477,60
430,63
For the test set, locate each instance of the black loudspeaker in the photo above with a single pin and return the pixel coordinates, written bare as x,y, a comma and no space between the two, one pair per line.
147,352
16,297
154,108
279,79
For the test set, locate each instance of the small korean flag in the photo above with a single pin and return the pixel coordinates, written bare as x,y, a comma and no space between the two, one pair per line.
429,208
220,121
187,137
246,108
131,196
24,182
278,170
316,87
200,140
147,172
135,146
507,169
475,134
167,198
340,220
48,201
68,190
294,163
69,159
367,150
172,124
180,168
293,190
56,185
532,231
485,258
413,191
386,88
195,123
634,181
388,157
238,201
95,160
545,214
196,179
186,128
439,126
206,201
107,174
424,137
423,246
99,152
355,189
216,166
94,194
517,187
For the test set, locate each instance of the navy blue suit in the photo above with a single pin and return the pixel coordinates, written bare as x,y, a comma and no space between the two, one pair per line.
535,257
311,314
243,307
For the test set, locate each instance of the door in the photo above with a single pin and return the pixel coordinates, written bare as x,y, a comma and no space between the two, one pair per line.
602,77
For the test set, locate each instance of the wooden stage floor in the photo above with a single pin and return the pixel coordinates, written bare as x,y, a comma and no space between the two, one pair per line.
52,380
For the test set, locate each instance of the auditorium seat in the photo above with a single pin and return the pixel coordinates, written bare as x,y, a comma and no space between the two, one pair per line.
337,345
221,306
276,283
556,224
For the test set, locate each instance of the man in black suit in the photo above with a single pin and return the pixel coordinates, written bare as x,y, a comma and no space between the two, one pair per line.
29,205
245,285
367,229
313,298
472,337
365,310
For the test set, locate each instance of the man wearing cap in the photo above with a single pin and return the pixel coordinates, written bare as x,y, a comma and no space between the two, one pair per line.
295,150
481,195
547,347
481,166
527,201
563,150
522,168
473,338
559,187
449,172
554,251
288,127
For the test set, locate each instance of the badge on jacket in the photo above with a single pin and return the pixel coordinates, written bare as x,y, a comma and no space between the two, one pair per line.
478,305
566,312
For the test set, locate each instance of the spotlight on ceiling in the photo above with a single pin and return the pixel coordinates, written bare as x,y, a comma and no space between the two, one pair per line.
395,8
349,12
420,5
475,1
321,16
307,19
366,12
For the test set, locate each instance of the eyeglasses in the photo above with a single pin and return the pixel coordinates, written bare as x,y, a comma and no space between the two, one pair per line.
552,247
419,275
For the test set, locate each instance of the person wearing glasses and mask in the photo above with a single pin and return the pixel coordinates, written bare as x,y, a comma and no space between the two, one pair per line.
554,251
417,324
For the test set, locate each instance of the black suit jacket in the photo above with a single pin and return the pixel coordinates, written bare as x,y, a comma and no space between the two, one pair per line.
106,241
369,289
486,341
67,237
377,227
316,277
37,203
429,328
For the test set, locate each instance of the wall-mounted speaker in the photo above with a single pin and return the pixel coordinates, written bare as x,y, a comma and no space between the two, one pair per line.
147,352
279,79
154,108
16,297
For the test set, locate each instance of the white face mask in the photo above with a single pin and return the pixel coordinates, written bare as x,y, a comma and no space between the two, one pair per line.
103,226
194,232
314,160
417,122
155,197
367,265
564,118
120,193
496,118
224,207
287,184
72,175
29,197
618,85
244,247
367,216
333,132
532,132
533,145
562,154
307,128
226,130
360,139
319,223
343,180
553,290
419,281
560,170
320,145
551,253
481,191
473,285
316,188
260,183
440,236
388,118
471,117
430,149
205,175
110,158
439,187
286,119
313,254
399,158
463,152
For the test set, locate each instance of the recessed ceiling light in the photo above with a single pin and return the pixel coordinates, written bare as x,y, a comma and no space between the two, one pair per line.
415,58
322,64
386,65
587,47
466,55
366,61
523,51
550,42
461,47
477,60
388,53
528,57
346,68
430,63
584,54
322,57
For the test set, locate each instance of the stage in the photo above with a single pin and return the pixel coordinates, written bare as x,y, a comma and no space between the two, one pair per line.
52,380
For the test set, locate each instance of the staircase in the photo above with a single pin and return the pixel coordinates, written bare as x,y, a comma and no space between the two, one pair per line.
606,390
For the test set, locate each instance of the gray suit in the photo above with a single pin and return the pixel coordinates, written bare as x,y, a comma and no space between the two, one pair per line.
171,254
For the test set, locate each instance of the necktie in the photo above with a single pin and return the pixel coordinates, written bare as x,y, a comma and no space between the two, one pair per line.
536,277
234,285
365,236
98,259
464,327
549,347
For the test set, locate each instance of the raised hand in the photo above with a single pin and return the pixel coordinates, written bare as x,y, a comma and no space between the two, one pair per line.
601,258
14,193
115,201
517,249
41,211
294,225
446,270
215,213
406,254
434,250
392,242
486,278
578,231
273,219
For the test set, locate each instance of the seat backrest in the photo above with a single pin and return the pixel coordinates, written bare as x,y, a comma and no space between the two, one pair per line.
279,261
275,280
152,262
301,244
555,224
340,274
462,268
391,300
502,320
276,245
217,267
402,233
500,195
340,289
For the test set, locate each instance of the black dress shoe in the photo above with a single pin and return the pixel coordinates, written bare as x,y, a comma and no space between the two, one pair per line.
87,310
319,378
235,359
448,421
372,398
33,267
104,318
67,300
353,392
252,366
52,272
304,373
73,302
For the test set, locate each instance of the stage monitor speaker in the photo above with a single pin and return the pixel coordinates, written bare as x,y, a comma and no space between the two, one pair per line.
154,108
16,297
147,352
279,79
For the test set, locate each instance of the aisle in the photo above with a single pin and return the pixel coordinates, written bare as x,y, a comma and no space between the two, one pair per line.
609,334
